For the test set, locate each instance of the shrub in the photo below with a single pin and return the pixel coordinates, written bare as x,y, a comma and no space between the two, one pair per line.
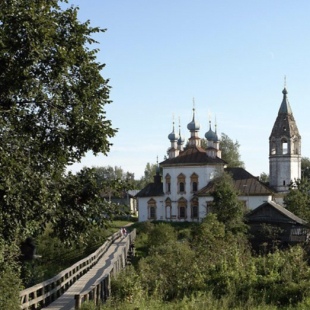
10,284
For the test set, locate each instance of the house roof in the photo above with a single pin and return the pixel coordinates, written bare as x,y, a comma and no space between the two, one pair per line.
254,215
244,182
194,155
152,189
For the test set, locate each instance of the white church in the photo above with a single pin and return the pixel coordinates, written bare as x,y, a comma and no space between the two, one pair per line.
182,193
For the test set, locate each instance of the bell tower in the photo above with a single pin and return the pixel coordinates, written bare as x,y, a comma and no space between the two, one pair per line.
284,148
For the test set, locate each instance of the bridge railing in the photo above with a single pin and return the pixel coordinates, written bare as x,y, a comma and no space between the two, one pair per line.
101,289
47,291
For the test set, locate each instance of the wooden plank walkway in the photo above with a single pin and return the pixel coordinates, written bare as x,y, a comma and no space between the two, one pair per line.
102,268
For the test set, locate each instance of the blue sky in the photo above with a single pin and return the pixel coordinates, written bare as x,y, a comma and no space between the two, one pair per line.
231,56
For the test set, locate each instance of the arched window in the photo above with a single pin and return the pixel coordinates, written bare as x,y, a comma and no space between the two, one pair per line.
182,206
284,146
295,146
194,183
168,208
194,208
181,183
273,149
168,183
151,204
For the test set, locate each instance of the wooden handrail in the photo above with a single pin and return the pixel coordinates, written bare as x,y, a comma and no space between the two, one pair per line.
49,290
101,289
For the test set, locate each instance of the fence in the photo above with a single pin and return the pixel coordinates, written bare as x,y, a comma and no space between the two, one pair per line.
101,289
47,291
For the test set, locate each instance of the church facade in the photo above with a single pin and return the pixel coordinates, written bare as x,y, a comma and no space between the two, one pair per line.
182,192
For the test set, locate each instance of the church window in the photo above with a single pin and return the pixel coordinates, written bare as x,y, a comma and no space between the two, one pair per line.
273,148
194,208
182,213
182,204
284,147
151,209
194,182
168,208
283,182
210,207
181,183
168,184
295,146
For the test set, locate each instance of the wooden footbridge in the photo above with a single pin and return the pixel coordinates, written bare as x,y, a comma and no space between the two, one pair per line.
88,279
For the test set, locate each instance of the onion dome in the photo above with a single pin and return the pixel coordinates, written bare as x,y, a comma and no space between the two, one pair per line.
211,135
216,138
173,136
181,140
193,125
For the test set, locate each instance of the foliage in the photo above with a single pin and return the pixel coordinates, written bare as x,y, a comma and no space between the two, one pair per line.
264,177
56,255
82,206
298,199
169,271
228,208
162,233
10,284
195,301
114,181
52,99
213,269
208,234
305,167
149,173
230,151
127,287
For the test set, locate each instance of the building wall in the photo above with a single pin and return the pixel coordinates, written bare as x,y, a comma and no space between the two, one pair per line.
283,170
250,202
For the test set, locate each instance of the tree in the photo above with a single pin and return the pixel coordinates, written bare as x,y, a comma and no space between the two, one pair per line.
52,99
149,173
298,199
114,181
264,177
83,206
226,205
305,167
230,151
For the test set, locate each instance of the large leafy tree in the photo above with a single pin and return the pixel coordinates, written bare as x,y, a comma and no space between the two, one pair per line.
230,151
83,206
226,205
148,177
52,98
113,181
298,199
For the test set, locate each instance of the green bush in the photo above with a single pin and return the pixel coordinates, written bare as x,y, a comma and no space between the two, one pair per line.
10,284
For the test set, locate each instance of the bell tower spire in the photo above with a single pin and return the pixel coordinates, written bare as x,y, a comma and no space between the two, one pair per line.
284,148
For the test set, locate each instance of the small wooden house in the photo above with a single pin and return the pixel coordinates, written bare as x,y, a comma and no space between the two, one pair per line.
272,223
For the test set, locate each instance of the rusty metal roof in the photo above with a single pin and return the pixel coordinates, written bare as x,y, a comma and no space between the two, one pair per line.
152,189
244,182
193,155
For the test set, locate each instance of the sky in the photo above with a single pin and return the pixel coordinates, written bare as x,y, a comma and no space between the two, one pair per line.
232,57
